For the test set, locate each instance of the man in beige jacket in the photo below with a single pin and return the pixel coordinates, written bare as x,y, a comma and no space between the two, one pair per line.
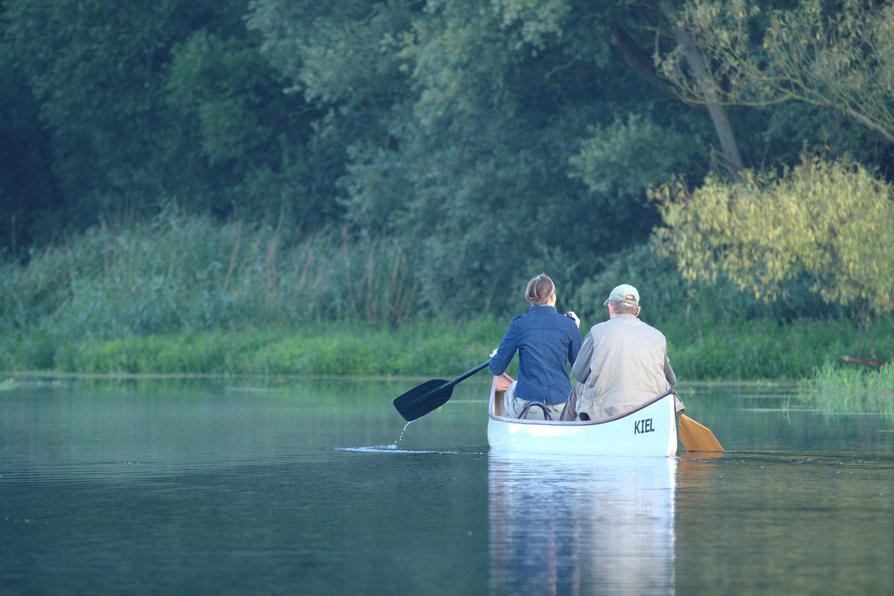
622,363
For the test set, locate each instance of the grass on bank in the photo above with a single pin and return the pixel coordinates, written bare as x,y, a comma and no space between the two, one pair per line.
419,348
754,350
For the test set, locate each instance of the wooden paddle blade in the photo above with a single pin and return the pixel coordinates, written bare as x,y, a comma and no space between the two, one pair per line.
696,437
422,399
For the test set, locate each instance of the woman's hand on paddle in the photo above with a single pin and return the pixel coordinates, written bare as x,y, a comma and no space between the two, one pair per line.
573,317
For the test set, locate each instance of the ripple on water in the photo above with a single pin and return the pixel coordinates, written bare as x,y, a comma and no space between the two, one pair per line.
393,449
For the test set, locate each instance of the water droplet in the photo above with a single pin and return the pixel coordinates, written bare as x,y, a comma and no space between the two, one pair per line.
402,433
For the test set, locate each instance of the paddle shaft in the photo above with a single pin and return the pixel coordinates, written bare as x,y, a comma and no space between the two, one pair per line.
451,383
468,373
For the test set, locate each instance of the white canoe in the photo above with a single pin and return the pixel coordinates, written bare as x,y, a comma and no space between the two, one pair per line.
651,429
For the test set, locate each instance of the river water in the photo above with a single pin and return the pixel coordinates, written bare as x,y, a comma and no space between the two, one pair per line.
288,486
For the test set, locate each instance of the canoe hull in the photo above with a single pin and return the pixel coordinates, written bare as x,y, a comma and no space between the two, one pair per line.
647,431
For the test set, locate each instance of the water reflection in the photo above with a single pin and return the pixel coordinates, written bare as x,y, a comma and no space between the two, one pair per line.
581,526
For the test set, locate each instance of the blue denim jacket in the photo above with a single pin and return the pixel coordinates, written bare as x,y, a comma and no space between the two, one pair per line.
545,341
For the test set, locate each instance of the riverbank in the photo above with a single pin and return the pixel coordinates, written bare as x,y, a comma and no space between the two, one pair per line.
314,349
751,350
188,295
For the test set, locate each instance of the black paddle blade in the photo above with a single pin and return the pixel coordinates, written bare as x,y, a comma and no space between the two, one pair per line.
422,399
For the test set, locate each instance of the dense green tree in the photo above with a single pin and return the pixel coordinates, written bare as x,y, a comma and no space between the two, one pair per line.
238,141
493,135
29,199
96,70
145,103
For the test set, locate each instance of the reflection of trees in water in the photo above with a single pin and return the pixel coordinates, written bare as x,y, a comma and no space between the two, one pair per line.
581,526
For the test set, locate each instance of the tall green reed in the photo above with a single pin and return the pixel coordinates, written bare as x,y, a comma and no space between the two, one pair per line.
837,388
179,273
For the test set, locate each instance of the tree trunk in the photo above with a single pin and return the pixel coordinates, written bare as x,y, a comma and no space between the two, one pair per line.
640,62
696,63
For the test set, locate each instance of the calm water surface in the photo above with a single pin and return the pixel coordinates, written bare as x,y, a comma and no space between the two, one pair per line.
250,486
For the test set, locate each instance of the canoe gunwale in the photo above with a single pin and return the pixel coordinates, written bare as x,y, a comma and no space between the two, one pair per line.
509,420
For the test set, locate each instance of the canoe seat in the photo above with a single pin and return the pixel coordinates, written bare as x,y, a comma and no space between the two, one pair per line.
530,404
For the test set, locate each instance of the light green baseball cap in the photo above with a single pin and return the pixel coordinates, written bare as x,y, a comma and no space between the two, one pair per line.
624,293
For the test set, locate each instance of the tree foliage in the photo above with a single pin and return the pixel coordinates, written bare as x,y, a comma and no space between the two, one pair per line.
836,55
145,101
831,223
470,130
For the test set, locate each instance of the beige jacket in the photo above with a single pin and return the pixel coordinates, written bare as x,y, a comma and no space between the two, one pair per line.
621,364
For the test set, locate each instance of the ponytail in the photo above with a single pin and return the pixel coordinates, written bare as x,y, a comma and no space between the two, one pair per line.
539,289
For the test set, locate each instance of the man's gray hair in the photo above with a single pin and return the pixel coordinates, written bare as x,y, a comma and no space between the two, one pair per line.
623,308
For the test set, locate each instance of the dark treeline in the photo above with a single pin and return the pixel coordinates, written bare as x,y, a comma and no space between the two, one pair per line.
491,138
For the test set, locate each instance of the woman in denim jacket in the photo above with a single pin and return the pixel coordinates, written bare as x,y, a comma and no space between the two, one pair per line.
547,342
